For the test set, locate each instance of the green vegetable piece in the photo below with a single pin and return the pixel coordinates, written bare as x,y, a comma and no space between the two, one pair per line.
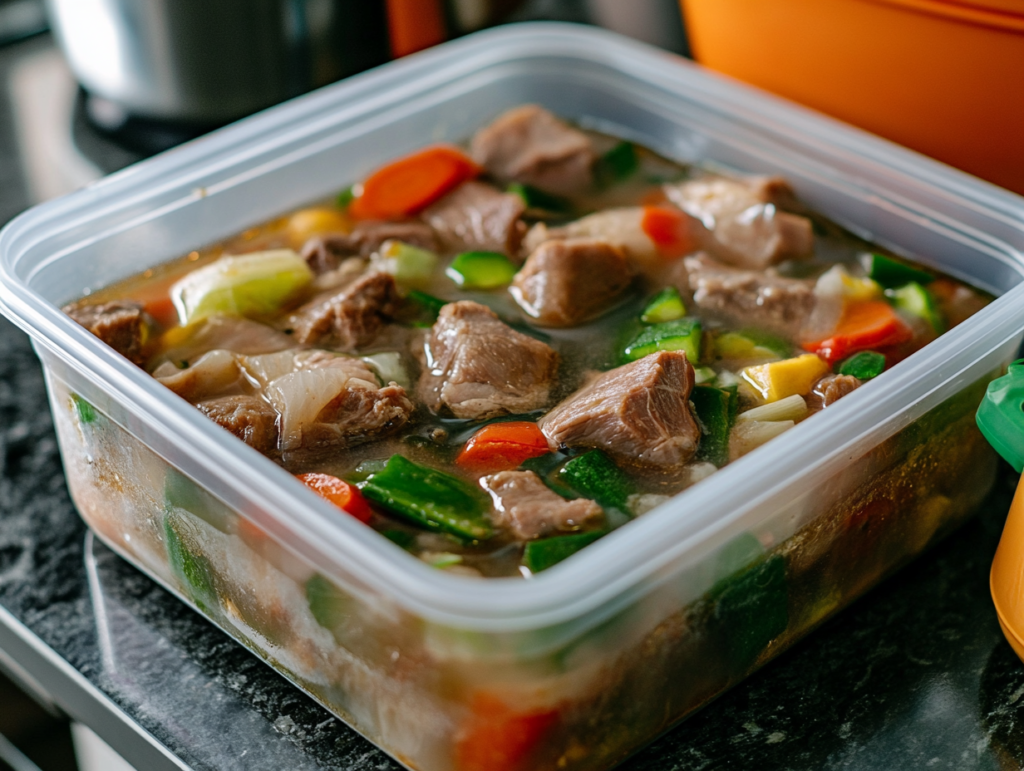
195,572
864,365
703,375
408,264
749,610
773,343
345,197
542,554
481,270
918,301
667,305
538,199
444,560
365,470
401,538
595,476
85,411
617,164
428,302
328,604
430,498
714,410
255,284
680,335
1001,415
891,273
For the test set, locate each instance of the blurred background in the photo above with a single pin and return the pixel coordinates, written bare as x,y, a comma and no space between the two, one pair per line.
88,87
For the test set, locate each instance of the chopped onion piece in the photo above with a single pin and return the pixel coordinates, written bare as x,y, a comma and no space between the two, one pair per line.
389,368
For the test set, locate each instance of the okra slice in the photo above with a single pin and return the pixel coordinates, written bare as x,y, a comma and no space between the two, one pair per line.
430,498
864,365
680,335
481,270
542,554
890,273
667,305
595,476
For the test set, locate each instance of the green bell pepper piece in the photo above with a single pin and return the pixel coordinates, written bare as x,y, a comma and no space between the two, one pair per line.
538,199
481,270
667,305
715,412
680,335
617,164
595,476
542,554
864,365
1001,415
428,302
891,273
918,301
345,197
430,498
85,411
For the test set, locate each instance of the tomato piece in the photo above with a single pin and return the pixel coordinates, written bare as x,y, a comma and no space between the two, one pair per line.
502,446
343,495
412,183
669,229
864,326
497,738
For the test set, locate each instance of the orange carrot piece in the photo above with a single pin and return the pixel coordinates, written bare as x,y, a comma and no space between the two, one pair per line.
497,738
863,326
669,229
502,446
412,183
162,309
343,495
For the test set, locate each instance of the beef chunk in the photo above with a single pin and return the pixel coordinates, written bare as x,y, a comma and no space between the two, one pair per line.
638,413
325,252
831,389
350,318
746,227
120,324
529,509
750,298
248,417
476,216
565,283
479,367
529,144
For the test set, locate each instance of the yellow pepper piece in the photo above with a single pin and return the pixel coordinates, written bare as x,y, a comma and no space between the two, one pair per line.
787,377
856,289
310,222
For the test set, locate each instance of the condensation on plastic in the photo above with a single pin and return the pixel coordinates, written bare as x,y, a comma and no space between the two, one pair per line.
313,146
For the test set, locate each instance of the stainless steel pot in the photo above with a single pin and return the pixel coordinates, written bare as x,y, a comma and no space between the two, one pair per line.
211,61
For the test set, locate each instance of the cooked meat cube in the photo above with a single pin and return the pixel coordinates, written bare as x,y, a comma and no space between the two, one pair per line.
529,509
638,413
529,144
565,283
335,402
248,417
478,217
120,324
831,389
746,226
621,226
479,367
750,298
325,252
349,318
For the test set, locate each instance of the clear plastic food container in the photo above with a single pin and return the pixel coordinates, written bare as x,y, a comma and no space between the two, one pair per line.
580,665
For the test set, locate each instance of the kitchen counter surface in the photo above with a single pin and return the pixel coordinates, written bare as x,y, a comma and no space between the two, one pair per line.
915,675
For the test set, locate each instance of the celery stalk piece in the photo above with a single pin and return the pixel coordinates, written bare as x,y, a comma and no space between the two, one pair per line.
255,284
790,408
408,264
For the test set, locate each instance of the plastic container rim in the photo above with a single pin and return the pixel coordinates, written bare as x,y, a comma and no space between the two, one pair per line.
693,522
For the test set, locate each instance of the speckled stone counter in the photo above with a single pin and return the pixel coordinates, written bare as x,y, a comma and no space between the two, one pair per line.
914,675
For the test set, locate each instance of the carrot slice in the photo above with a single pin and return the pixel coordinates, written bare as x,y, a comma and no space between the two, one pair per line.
669,229
502,446
343,495
162,309
863,326
412,183
498,738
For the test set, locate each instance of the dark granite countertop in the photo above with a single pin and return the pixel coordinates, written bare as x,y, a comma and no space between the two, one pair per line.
915,675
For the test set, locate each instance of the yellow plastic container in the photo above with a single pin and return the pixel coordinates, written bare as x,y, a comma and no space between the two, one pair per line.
943,78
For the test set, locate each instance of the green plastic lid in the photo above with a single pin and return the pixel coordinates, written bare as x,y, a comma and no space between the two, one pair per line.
1001,415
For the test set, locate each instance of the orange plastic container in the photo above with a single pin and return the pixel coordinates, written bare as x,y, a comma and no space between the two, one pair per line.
944,78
